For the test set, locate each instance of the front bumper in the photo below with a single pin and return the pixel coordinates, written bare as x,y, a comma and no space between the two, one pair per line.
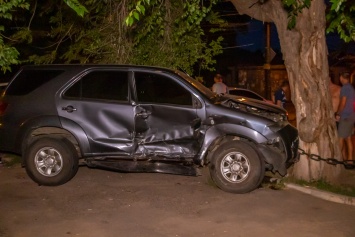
282,151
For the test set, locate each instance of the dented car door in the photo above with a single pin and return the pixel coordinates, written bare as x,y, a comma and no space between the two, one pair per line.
99,103
166,121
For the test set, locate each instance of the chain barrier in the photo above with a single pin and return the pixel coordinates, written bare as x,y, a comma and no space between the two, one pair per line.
348,164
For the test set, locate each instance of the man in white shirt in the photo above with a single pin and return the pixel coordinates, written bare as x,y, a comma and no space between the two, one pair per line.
219,87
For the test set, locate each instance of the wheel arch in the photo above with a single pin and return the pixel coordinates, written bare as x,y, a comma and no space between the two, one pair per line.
51,132
221,133
225,139
51,126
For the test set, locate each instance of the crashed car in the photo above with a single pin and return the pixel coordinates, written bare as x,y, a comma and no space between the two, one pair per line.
140,119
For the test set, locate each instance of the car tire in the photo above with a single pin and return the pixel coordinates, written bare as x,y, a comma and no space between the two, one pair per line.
236,167
51,162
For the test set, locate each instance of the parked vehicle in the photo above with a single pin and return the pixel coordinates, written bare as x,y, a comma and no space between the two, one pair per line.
140,119
290,108
247,93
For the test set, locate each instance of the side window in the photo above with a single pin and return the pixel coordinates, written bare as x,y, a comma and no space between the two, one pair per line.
29,80
154,88
101,85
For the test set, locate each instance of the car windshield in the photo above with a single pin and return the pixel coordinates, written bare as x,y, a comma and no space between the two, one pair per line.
198,85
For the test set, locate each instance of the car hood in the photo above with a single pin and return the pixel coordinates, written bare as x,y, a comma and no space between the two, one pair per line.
253,103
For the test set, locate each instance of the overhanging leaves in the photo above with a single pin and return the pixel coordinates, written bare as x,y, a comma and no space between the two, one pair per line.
76,6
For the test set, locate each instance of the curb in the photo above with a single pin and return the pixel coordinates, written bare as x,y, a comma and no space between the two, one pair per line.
323,195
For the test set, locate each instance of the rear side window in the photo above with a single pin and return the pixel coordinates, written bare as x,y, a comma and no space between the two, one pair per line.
101,85
29,80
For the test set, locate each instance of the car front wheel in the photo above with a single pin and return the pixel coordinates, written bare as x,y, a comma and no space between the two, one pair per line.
236,167
51,161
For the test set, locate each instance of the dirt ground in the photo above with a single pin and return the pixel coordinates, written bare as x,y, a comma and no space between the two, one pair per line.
347,178
103,203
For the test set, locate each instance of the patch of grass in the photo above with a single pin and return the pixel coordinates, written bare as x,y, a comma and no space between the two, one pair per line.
325,186
273,182
10,160
277,182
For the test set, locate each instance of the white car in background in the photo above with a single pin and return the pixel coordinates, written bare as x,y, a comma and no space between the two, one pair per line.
289,106
247,93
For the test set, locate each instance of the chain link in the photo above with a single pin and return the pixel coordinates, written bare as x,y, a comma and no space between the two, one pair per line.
331,161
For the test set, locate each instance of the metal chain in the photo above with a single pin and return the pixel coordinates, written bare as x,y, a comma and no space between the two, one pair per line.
331,161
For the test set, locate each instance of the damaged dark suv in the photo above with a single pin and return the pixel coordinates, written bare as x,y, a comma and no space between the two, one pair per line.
140,119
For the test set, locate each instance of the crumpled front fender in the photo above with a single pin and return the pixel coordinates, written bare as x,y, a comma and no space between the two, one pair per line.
221,130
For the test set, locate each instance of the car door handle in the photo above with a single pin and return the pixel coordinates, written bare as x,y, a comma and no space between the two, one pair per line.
144,114
69,109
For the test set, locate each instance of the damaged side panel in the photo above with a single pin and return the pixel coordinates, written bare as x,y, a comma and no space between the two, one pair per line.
167,124
103,112
113,127
167,131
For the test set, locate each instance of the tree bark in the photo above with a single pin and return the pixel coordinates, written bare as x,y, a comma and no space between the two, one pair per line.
305,54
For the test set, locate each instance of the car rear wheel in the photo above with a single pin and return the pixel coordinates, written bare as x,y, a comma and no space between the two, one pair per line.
51,161
236,167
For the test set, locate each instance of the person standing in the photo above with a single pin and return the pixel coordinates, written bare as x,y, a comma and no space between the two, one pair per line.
280,95
345,115
334,90
219,87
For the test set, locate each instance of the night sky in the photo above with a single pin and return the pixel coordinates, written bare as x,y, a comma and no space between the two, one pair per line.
253,40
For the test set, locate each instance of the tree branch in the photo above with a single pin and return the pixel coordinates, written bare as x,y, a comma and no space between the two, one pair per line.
34,12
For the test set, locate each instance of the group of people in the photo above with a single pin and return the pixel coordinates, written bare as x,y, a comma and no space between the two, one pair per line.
343,102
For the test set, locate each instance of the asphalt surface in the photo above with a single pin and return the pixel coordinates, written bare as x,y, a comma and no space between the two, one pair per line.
103,203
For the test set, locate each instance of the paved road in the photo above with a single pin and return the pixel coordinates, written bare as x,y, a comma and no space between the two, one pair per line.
103,203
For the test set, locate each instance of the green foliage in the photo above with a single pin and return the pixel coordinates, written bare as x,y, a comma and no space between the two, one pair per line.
43,59
168,34
76,6
24,34
139,9
326,186
207,60
171,35
294,7
10,160
8,54
276,182
152,32
6,7
341,18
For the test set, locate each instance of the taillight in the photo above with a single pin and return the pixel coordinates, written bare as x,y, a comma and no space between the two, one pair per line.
3,107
